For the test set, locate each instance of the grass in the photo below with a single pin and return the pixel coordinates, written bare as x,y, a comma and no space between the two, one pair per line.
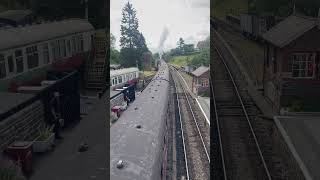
182,60
149,73
222,8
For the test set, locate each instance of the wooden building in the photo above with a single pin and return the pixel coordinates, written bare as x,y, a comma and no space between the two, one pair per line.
200,80
291,63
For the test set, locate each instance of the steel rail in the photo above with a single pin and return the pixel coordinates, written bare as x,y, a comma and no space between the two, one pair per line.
182,132
195,120
219,133
245,112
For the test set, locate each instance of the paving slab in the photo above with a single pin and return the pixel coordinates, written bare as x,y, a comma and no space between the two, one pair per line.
302,135
65,162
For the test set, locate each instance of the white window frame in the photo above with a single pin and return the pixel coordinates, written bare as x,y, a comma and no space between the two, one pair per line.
45,49
3,64
19,58
9,53
33,53
303,58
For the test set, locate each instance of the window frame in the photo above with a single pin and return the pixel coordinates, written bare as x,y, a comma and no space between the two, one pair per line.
303,59
34,52
19,58
3,65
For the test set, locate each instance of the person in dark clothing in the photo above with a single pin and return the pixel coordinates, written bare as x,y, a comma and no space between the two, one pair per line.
55,110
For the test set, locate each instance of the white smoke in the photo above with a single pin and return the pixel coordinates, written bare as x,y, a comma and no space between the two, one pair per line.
163,38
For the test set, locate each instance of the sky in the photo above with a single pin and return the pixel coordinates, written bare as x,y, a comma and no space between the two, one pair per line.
189,19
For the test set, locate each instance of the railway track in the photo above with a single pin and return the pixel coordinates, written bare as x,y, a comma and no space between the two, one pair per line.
237,154
195,149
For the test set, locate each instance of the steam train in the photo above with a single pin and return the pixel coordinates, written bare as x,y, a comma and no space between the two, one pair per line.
138,140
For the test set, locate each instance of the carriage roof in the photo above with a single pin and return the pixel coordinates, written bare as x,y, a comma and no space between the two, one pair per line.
20,36
123,71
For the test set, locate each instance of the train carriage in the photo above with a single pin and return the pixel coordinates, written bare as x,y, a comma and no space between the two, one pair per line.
28,52
123,77
138,139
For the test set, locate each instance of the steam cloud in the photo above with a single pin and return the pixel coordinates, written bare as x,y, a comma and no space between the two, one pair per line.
163,38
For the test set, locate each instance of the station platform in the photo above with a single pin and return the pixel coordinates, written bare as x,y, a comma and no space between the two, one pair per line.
302,136
65,162
204,103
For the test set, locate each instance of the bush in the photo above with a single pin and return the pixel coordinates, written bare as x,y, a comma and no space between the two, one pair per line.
296,106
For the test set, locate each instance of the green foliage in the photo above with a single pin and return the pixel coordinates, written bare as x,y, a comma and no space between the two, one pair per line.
45,133
114,56
296,106
132,42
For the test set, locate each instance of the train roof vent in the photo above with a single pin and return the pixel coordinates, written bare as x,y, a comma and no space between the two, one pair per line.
120,164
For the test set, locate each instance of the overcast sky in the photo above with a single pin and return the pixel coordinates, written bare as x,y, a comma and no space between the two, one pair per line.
189,19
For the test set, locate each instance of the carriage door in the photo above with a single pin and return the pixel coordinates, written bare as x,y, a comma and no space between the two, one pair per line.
10,63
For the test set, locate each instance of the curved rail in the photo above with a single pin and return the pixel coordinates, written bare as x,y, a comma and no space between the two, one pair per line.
245,112
204,114
218,129
194,118
182,134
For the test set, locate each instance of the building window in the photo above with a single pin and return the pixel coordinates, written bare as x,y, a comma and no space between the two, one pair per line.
63,51
2,67
303,65
19,60
205,83
10,64
32,57
46,57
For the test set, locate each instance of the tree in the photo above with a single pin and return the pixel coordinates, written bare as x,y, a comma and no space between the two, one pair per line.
129,28
188,48
112,41
180,44
132,42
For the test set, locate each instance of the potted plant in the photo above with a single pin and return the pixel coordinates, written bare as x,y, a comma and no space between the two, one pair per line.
9,170
45,140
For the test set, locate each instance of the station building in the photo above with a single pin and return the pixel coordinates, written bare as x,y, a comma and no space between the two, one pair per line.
200,80
292,63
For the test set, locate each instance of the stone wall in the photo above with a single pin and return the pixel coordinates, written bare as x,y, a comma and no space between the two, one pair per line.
116,101
23,125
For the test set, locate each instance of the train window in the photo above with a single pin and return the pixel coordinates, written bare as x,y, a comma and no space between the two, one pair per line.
10,64
62,44
81,43
120,79
78,43
116,80
55,50
73,41
68,46
45,53
19,60
32,57
2,67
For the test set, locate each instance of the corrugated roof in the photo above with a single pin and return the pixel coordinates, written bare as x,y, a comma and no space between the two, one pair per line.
289,29
15,15
200,70
123,71
20,36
